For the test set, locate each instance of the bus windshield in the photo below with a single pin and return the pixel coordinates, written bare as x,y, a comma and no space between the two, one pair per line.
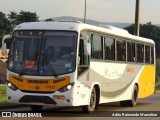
44,53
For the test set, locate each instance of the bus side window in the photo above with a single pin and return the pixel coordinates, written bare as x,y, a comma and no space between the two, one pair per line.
96,46
140,53
121,50
131,51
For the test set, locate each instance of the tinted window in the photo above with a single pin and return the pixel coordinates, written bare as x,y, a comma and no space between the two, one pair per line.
121,50
147,54
140,53
56,56
96,46
130,51
109,48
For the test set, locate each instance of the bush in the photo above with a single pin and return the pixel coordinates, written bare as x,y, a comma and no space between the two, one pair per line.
3,95
157,70
0,41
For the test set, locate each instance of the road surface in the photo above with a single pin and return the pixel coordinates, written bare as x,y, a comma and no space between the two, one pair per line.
149,106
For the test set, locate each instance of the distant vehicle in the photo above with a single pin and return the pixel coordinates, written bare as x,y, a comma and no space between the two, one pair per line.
102,64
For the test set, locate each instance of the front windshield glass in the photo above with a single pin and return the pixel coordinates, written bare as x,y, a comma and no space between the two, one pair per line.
48,53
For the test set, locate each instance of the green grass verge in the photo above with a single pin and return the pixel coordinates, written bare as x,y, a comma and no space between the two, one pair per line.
158,85
3,99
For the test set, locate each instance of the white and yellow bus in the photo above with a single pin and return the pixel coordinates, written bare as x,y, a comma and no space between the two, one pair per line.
76,64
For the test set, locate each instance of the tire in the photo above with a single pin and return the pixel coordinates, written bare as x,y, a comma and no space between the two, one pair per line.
133,101
124,103
36,107
93,100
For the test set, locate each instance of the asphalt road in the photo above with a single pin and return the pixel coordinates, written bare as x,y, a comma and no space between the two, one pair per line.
146,108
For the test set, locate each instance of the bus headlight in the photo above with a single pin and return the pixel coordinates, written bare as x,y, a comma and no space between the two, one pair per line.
69,87
66,88
11,86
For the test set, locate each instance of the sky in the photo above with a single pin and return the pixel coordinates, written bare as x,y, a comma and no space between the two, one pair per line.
100,10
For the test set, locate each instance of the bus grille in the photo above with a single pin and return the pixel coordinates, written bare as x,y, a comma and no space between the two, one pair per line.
37,81
37,99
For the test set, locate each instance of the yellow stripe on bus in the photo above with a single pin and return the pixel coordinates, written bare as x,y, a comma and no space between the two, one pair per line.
42,85
146,81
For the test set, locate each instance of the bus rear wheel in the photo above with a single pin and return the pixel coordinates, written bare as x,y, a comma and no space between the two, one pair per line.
36,107
133,101
93,100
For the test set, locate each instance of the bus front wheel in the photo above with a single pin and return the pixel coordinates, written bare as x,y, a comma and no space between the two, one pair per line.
92,106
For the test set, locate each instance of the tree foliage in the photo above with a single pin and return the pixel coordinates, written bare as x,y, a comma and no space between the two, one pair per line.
5,26
146,30
27,17
23,16
12,16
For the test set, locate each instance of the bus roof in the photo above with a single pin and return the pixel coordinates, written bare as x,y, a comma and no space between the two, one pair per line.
78,26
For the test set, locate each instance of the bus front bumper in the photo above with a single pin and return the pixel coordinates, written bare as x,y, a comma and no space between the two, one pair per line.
56,98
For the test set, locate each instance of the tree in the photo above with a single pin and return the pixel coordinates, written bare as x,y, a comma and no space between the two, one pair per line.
13,19
150,31
5,26
146,30
24,16
12,16
157,70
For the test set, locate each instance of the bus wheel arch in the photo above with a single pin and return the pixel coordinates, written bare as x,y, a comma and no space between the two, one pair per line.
93,101
133,101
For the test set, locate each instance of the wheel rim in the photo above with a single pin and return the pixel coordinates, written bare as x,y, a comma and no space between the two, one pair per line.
93,100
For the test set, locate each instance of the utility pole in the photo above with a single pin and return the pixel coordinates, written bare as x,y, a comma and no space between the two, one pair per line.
85,12
137,14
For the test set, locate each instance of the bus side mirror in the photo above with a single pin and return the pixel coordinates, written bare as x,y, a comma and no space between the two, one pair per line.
4,49
4,46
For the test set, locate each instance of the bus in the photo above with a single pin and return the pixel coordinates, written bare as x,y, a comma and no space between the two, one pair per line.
69,63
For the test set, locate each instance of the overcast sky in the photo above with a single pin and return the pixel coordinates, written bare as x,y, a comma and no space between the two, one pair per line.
100,10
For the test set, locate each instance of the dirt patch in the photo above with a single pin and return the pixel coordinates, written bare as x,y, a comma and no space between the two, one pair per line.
157,91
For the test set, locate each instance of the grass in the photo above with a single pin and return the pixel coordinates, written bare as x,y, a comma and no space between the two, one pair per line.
158,85
3,99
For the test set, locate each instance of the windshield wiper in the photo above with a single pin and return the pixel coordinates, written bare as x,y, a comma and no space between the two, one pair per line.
34,58
49,65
